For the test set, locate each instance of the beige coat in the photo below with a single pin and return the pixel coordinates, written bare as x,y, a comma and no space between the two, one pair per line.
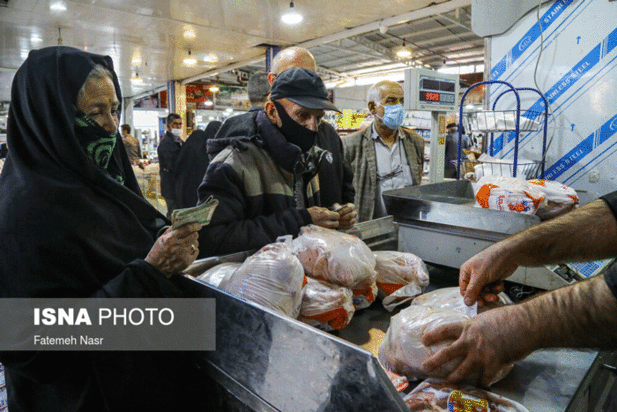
360,155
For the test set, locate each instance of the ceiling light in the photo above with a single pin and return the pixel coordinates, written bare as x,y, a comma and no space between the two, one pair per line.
291,16
404,52
35,39
214,89
24,54
136,60
190,60
189,34
211,58
208,103
57,7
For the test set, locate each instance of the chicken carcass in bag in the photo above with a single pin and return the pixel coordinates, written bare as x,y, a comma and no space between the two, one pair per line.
508,194
326,306
451,298
273,277
338,258
400,277
402,350
215,275
434,395
560,198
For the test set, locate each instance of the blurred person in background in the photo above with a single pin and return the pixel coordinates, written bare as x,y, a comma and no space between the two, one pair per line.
168,151
73,223
191,165
131,144
385,155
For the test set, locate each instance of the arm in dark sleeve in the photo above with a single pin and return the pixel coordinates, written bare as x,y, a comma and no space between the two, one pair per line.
237,224
349,192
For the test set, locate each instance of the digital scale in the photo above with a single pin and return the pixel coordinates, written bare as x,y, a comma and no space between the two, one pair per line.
428,90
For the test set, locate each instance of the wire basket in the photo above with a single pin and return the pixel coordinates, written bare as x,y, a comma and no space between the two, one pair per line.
503,121
526,170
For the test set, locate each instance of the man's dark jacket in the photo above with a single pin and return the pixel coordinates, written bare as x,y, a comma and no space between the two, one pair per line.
335,178
263,183
168,151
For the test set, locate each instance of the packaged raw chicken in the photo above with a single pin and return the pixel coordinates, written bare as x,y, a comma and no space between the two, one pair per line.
402,350
451,298
435,395
326,306
560,198
508,194
338,258
273,277
400,277
216,274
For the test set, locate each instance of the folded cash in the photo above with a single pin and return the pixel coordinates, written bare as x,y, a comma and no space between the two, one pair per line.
198,214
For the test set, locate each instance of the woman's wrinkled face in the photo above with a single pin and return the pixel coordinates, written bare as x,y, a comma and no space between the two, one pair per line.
100,102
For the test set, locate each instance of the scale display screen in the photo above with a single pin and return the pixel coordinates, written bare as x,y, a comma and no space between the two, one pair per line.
436,91
429,90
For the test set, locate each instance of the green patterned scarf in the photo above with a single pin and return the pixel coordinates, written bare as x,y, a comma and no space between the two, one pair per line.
97,143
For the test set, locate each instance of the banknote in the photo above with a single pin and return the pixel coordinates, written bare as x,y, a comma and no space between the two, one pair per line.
198,214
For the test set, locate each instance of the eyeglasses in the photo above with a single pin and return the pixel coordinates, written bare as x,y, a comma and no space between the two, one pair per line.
395,172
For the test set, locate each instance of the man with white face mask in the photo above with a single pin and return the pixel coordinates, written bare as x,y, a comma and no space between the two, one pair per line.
383,156
168,151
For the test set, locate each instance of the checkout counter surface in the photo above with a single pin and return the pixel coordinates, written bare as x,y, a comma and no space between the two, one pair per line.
275,363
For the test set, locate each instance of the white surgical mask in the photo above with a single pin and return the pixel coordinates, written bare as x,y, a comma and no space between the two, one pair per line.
176,132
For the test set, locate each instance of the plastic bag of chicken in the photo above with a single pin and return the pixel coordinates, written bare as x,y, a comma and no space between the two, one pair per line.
338,258
451,298
273,277
326,306
402,350
508,194
560,198
401,276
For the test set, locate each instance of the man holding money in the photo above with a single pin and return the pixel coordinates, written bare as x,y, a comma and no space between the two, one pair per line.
265,175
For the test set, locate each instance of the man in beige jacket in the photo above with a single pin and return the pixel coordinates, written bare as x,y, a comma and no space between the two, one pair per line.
385,155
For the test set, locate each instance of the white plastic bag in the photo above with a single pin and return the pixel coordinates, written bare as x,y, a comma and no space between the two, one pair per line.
560,198
434,395
273,277
400,277
337,258
500,167
508,194
326,306
451,298
402,350
215,275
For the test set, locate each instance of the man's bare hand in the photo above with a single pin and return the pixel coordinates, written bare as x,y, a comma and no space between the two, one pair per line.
324,217
481,276
348,215
175,250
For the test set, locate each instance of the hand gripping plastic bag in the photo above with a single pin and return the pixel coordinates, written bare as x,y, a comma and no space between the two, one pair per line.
326,306
273,277
400,277
560,198
338,258
434,395
402,350
215,275
508,194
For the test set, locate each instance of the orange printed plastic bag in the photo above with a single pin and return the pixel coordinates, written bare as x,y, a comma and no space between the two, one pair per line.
508,194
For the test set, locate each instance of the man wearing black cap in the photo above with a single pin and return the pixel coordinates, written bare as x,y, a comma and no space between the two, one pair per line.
264,177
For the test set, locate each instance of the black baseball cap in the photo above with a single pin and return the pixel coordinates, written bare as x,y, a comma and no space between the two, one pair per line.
303,87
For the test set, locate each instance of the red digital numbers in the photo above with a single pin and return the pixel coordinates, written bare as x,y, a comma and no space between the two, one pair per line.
432,97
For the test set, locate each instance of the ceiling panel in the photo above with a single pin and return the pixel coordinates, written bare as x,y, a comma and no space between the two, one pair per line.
159,33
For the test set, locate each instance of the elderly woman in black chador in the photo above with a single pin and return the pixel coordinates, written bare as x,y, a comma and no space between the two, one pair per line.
73,223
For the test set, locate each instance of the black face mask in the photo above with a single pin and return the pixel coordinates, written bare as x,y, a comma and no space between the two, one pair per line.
294,132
